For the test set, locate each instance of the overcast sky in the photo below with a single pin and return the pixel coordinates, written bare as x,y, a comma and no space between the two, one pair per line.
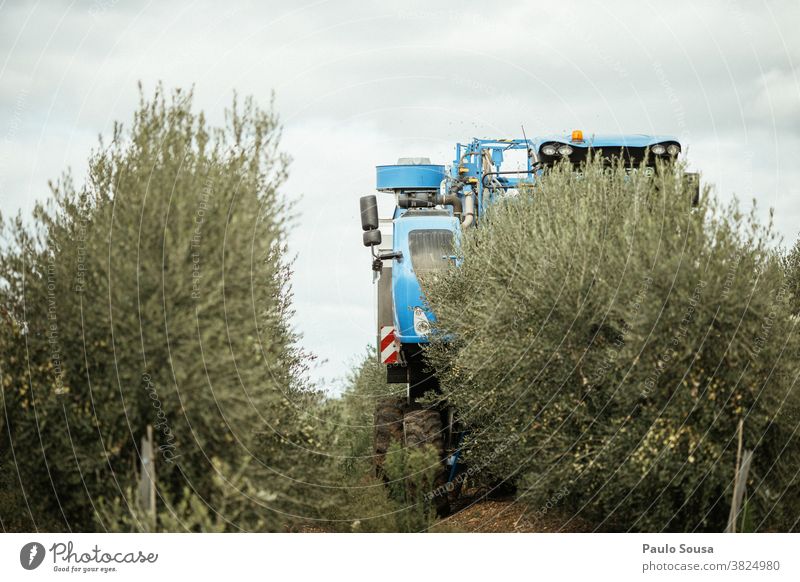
359,84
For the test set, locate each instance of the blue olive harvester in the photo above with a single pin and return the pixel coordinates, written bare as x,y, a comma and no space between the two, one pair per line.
433,205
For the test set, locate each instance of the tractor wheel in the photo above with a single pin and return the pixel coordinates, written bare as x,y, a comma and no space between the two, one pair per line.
397,422
388,429
423,428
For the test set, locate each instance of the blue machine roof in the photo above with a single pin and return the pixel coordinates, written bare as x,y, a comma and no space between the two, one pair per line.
409,177
634,140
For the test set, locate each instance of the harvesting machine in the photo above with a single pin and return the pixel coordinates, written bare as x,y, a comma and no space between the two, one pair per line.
433,205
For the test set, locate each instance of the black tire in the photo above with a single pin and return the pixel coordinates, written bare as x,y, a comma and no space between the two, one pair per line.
410,426
388,427
423,428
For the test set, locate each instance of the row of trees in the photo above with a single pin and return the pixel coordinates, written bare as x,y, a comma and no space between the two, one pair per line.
608,340
157,293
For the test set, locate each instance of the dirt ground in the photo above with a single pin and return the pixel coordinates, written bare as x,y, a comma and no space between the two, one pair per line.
481,515
506,516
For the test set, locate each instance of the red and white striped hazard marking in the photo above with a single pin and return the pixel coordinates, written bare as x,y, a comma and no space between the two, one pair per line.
389,345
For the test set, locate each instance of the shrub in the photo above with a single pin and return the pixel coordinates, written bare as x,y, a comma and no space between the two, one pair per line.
156,293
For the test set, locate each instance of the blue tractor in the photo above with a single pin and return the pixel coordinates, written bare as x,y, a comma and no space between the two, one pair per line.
434,204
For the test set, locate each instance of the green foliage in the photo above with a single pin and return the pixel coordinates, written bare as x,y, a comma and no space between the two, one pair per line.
157,293
411,476
365,503
365,387
399,504
606,337
791,264
188,512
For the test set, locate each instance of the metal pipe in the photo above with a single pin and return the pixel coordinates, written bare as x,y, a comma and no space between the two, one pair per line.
450,200
469,210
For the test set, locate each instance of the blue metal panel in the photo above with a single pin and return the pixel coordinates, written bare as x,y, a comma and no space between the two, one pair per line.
406,291
409,177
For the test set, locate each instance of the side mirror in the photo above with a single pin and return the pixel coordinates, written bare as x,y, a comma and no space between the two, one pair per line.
369,214
372,238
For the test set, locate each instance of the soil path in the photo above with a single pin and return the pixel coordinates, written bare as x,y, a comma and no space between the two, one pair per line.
507,515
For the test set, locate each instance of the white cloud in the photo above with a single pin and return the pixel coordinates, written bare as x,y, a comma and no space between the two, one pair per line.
777,102
359,84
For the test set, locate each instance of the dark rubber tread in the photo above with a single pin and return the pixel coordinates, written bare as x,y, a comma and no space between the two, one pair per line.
423,428
388,425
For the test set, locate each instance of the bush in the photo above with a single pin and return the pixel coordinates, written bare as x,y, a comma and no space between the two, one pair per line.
791,264
366,386
604,337
157,293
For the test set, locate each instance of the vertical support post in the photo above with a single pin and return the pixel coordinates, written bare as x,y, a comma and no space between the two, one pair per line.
743,461
147,478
